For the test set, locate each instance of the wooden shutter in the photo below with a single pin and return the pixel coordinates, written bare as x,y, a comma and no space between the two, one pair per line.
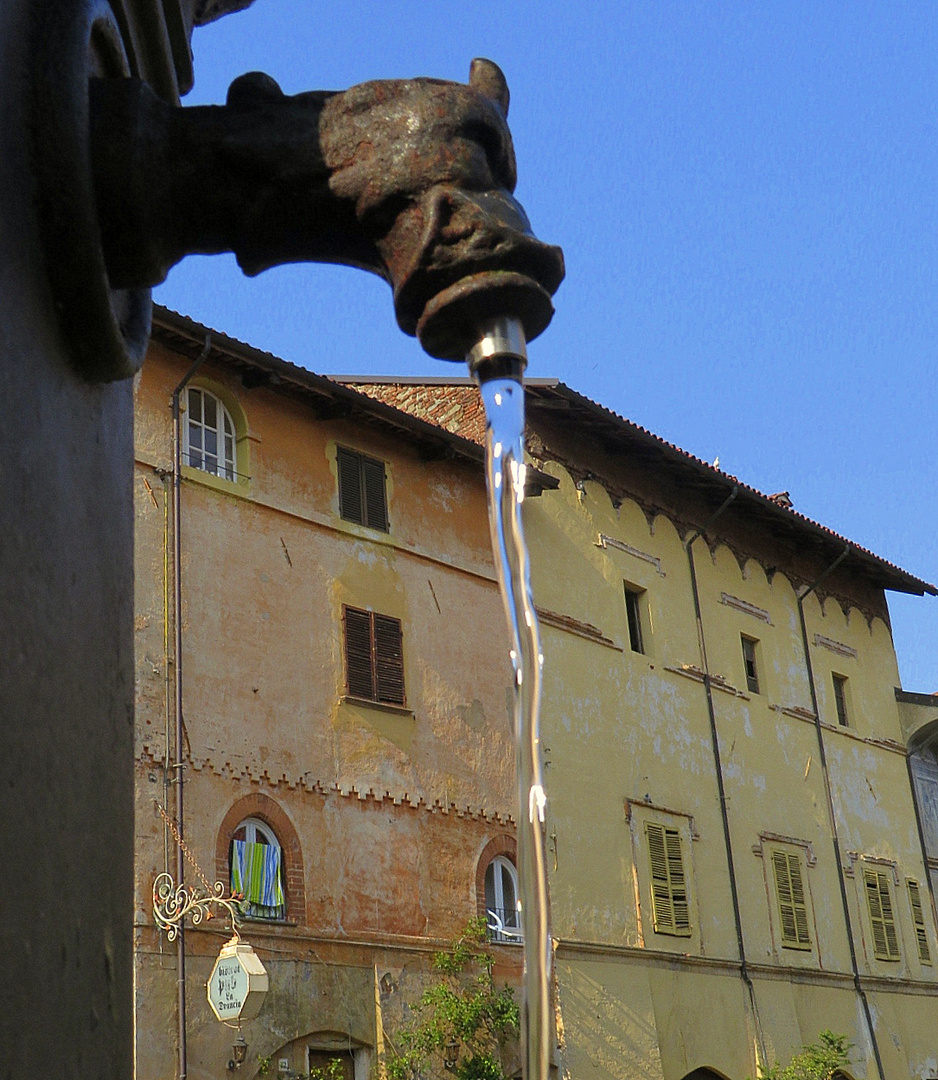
672,843
376,507
348,464
362,489
374,656
359,669
670,908
389,660
792,901
882,922
918,920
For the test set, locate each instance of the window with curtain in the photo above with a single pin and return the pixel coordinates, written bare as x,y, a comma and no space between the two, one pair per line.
257,871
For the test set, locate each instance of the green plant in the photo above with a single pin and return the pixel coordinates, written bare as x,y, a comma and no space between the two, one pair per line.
332,1071
463,1015
815,1061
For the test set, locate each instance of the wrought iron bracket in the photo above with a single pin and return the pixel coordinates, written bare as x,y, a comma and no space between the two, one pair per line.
173,903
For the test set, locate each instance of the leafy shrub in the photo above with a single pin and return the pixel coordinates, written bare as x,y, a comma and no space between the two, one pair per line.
464,1011
815,1061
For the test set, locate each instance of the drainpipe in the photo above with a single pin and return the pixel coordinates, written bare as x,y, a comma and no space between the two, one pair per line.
718,763
166,477
835,838
179,764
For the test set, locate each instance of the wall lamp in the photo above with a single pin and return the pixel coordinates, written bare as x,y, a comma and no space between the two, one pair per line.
450,1055
239,1051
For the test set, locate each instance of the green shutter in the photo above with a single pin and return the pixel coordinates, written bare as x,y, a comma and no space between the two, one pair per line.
670,906
882,922
918,920
792,901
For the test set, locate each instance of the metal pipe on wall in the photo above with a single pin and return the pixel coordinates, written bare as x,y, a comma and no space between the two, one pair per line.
718,765
835,836
182,1057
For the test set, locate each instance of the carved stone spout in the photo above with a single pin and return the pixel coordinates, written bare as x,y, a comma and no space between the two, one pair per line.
410,179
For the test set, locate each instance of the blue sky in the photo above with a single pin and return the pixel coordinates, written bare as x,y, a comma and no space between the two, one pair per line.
747,198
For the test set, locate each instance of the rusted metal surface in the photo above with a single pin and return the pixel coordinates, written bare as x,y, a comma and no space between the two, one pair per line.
410,179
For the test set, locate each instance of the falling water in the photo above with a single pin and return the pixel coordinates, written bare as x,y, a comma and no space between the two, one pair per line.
504,409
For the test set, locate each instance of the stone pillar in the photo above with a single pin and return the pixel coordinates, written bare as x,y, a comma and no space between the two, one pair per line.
66,662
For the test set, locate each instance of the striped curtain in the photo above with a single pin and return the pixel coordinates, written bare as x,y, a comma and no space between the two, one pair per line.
255,874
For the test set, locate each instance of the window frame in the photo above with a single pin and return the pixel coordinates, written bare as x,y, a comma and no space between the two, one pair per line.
840,699
369,475
513,934
253,826
750,657
633,616
224,437
385,657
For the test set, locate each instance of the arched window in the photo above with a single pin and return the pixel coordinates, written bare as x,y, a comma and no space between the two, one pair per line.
257,870
209,435
502,902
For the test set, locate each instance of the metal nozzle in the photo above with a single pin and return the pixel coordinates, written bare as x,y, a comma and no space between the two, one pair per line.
500,351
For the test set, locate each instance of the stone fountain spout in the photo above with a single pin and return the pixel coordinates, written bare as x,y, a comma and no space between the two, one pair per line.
411,179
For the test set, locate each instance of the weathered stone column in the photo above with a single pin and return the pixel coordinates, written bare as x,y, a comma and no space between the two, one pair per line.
66,662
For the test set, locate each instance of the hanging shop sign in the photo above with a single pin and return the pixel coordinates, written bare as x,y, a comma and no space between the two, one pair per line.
238,983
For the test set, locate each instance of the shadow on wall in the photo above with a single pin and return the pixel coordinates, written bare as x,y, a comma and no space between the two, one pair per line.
618,1041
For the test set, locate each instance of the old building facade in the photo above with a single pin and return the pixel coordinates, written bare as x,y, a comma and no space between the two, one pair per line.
340,628
737,860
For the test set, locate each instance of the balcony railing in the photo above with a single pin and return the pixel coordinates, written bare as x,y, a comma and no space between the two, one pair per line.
504,926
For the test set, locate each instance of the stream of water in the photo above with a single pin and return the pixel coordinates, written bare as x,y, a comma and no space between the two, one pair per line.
505,468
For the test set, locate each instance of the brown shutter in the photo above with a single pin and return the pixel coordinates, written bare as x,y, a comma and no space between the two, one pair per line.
359,678
389,660
376,507
348,464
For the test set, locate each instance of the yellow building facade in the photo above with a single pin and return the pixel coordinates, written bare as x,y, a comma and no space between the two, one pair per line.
737,859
